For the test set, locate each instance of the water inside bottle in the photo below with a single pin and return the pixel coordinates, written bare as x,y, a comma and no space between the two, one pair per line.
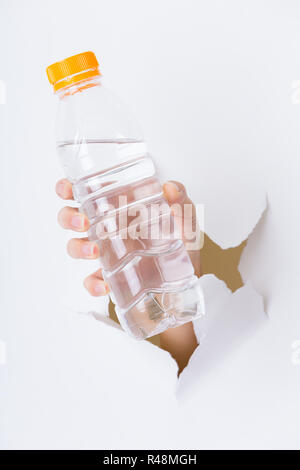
149,272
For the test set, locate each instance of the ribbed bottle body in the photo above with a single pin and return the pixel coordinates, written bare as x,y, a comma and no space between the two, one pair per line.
147,268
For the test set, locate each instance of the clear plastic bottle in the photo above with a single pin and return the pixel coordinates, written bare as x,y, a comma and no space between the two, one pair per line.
148,270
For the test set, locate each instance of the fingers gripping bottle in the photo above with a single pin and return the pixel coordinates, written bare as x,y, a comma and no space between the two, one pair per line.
150,276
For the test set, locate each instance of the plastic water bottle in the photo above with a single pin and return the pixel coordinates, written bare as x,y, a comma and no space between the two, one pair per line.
148,270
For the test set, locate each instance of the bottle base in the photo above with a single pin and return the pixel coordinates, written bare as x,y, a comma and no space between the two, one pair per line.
159,311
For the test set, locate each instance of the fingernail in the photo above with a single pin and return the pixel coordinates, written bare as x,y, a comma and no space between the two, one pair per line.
174,185
101,288
90,249
77,221
171,189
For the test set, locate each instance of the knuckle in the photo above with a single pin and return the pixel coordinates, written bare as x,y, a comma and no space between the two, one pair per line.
61,216
71,248
87,282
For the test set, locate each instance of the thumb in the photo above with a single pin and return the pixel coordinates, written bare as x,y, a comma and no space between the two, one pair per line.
185,219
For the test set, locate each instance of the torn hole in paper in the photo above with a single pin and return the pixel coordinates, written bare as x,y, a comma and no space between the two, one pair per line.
217,263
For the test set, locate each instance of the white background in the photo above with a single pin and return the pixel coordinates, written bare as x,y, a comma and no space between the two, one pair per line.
214,85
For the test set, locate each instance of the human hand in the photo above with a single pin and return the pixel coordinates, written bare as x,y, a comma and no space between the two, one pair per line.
71,219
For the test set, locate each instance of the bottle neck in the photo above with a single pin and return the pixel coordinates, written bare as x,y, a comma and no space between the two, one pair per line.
79,87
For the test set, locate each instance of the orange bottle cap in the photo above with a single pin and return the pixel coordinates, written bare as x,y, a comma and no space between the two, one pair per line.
72,70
